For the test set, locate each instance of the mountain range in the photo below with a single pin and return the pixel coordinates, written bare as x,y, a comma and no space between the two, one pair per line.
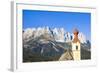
46,44
57,34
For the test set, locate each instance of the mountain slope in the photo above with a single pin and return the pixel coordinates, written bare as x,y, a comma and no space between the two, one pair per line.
45,44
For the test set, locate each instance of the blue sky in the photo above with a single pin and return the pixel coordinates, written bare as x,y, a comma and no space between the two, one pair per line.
52,19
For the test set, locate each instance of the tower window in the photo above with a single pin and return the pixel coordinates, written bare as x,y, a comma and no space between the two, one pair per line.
76,47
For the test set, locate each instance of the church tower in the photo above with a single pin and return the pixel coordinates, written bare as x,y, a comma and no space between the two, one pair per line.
76,46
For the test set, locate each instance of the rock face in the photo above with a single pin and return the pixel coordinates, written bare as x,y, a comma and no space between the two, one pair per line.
57,34
46,44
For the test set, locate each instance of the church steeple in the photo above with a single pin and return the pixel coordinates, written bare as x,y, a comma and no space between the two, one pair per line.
76,46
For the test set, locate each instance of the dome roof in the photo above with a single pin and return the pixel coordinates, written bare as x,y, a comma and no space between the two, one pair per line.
75,40
75,31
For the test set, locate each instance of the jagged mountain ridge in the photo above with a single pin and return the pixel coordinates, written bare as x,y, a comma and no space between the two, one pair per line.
57,34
